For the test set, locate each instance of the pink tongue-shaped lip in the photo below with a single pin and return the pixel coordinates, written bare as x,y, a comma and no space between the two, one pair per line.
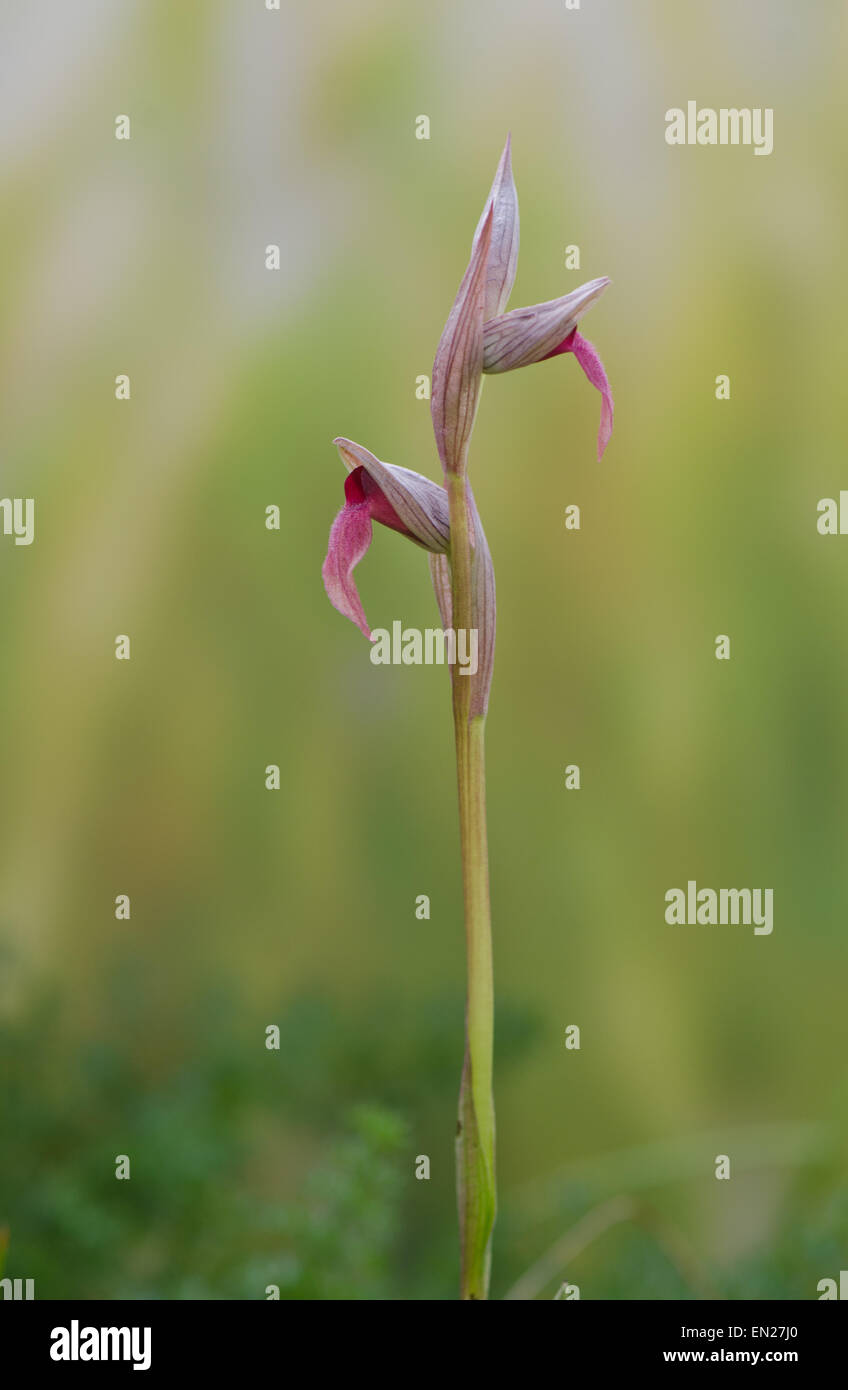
593,367
350,537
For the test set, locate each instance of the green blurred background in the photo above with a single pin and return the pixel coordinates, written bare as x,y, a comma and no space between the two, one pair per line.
297,907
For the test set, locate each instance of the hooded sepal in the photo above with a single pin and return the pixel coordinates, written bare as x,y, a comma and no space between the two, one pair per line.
418,503
524,336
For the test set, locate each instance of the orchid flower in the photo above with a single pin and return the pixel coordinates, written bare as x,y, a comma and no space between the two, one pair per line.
510,340
396,497
547,330
406,502
479,338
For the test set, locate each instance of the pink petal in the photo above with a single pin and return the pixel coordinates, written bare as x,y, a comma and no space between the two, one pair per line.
592,365
350,537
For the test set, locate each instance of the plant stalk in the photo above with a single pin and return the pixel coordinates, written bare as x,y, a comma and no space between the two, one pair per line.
475,1142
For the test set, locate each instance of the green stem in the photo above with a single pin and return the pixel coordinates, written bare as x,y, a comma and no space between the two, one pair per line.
475,1143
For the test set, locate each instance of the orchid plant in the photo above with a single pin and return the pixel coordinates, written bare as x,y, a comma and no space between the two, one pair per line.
479,337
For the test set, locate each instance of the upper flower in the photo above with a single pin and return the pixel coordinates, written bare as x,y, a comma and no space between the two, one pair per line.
480,337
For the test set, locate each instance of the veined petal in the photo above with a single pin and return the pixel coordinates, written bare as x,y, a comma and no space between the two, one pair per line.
420,506
529,335
458,368
503,249
440,573
350,537
483,611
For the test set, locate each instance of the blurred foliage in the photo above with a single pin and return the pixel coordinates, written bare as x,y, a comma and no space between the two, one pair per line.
203,1214
208,1214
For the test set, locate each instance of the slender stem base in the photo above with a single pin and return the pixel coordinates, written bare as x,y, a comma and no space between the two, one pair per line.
475,1143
